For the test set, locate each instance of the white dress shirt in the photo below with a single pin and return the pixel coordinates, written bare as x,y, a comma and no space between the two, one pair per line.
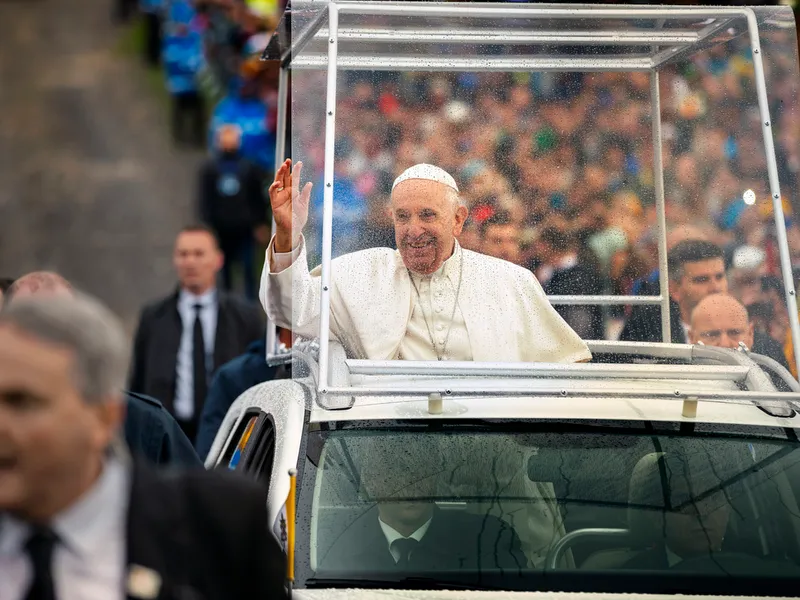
392,535
184,381
437,293
89,559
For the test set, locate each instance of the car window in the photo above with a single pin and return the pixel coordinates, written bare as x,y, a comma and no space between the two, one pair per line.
507,502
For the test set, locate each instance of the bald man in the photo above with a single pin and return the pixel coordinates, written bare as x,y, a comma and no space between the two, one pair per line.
722,321
39,283
150,431
428,300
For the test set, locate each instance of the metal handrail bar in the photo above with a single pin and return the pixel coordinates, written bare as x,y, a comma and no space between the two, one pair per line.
455,388
536,370
363,62
504,36
486,10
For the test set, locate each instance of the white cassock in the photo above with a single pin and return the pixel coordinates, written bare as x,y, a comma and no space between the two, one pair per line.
500,313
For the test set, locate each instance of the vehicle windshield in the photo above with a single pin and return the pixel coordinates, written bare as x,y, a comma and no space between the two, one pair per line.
515,506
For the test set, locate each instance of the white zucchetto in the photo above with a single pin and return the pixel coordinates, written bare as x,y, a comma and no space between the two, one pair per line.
429,172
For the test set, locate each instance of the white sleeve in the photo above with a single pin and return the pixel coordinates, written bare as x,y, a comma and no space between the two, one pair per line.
289,293
280,261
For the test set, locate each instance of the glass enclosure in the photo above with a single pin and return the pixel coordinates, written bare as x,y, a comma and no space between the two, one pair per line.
545,117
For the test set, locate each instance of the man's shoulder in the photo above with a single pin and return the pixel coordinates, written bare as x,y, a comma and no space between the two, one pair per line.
375,260
236,302
144,404
216,492
160,305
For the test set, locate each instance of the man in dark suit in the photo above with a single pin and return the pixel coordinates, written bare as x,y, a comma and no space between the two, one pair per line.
696,269
406,531
150,431
689,525
78,519
574,275
182,339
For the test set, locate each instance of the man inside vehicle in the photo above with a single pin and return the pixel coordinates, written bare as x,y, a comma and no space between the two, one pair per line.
721,320
405,529
690,522
428,300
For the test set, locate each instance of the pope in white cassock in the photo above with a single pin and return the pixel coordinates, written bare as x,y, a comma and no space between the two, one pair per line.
429,299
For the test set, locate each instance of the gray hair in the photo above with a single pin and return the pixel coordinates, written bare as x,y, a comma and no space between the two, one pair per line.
456,198
86,327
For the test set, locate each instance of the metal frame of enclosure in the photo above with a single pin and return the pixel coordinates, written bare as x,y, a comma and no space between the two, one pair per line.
665,46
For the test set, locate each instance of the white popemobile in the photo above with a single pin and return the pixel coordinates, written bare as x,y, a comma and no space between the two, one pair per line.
656,469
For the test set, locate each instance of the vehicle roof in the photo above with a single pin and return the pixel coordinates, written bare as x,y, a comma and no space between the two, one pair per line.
589,408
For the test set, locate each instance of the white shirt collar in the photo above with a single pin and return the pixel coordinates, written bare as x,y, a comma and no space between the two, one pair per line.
393,535
188,299
83,527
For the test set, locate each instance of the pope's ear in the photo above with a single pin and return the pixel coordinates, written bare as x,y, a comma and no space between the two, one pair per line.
461,216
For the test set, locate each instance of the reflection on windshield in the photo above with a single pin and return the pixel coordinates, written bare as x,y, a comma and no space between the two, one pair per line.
412,503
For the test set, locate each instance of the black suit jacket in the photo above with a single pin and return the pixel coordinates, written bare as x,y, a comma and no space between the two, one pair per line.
158,337
580,280
154,435
454,540
205,533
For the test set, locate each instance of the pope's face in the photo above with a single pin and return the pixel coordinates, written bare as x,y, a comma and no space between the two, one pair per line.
427,219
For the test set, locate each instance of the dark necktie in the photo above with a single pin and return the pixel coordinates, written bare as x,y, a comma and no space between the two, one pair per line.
199,363
404,547
40,551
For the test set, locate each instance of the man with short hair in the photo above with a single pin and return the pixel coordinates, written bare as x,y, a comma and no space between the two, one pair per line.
78,518
721,320
150,431
500,238
182,339
428,300
696,269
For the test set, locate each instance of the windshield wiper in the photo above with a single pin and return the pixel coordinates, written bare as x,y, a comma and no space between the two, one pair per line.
418,583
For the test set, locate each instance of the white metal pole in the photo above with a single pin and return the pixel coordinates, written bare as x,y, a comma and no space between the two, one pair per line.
661,223
280,152
774,185
327,207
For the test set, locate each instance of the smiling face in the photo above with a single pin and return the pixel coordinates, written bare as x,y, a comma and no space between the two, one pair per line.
427,219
